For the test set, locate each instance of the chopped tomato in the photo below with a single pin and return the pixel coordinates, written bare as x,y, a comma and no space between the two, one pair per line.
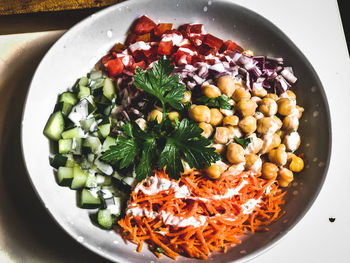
161,28
131,39
182,57
106,58
145,37
196,28
115,67
165,47
141,64
230,45
197,58
119,47
213,41
206,50
144,25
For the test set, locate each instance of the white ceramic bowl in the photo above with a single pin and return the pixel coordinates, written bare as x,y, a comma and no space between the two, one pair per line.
76,52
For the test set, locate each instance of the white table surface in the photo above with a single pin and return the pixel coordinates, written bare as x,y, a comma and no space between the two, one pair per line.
315,27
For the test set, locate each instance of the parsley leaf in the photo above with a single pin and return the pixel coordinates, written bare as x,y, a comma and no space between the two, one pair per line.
144,167
161,84
243,141
186,141
222,102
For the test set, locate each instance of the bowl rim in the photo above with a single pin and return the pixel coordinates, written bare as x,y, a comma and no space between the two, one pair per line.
97,15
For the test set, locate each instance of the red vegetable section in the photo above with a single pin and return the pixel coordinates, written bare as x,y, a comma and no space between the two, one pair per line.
188,44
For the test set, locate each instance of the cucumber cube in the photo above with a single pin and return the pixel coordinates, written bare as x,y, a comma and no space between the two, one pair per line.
84,81
65,145
109,141
105,219
58,160
108,89
83,92
89,200
54,126
71,133
79,178
68,97
64,107
104,130
64,175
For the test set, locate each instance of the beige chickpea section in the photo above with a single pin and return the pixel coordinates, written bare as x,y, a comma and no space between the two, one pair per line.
199,113
292,141
187,97
268,107
155,115
221,135
216,117
267,125
250,160
248,124
246,107
272,96
269,171
219,148
227,85
258,90
215,170
231,120
234,131
207,129
286,106
290,123
285,176
241,93
278,156
235,153
211,91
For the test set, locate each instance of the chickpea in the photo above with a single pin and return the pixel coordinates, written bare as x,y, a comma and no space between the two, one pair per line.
267,125
255,145
221,135
297,164
227,85
207,129
235,153
155,115
248,52
230,120
269,171
292,141
199,113
291,94
278,155
290,123
268,107
300,111
227,112
241,93
257,100
236,168
258,90
277,121
270,142
234,131
281,133
174,115
247,107
248,124
219,148
272,96
211,91
142,123
187,97
250,160
258,115
215,117
286,106
285,176
215,170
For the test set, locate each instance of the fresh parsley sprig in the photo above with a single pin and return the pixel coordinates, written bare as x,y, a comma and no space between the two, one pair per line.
243,141
221,101
161,144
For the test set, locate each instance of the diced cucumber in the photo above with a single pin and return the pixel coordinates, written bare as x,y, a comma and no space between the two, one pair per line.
58,160
104,130
64,175
72,133
131,181
109,141
92,144
89,200
105,218
117,175
86,124
90,157
64,107
95,74
81,111
91,181
54,126
103,180
68,97
77,146
70,162
79,178
84,81
65,145
108,89
83,92
104,167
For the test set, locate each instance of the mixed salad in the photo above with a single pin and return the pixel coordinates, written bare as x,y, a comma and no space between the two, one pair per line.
180,139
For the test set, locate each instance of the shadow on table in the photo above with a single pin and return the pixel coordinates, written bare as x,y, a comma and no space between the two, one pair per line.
27,232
